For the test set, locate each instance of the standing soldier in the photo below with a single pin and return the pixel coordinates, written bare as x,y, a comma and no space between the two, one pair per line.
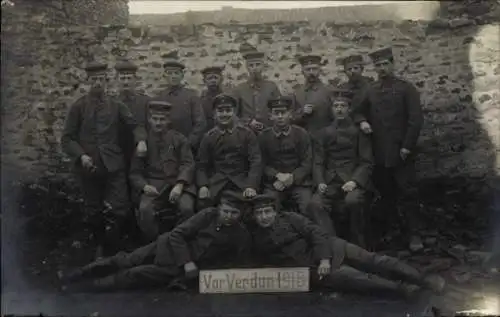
353,68
212,77
343,164
186,115
286,156
90,138
165,175
312,99
253,95
391,108
229,157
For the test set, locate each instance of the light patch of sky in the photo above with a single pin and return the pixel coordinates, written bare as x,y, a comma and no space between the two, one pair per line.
166,7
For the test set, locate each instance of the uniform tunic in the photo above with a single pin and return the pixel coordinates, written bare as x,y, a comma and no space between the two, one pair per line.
229,157
357,87
186,114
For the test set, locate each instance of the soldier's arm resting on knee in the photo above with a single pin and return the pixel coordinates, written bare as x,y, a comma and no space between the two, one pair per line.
186,162
69,138
318,239
305,157
366,161
415,117
268,171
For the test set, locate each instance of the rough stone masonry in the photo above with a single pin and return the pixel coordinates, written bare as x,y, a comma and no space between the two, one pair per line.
454,62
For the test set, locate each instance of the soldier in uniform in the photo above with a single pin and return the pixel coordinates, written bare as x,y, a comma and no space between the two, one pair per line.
290,239
187,114
212,77
342,170
253,95
353,67
229,158
390,107
165,178
287,156
312,100
90,138
212,238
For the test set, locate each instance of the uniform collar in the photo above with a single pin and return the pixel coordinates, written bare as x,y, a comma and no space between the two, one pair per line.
284,132
229,130
313,85
256,84
174,90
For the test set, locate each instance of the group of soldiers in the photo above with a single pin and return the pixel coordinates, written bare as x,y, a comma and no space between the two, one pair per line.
230,167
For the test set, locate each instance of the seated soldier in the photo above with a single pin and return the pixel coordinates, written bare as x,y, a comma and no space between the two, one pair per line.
290,239
212,238
164,178
343,163
229,156
286,156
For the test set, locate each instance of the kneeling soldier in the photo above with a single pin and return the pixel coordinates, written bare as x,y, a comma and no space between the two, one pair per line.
165,176
290,239
343,164
229,156
287,156
212,238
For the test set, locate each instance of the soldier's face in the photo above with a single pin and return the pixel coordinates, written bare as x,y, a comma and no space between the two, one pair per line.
158,121
384,67
281,116
97,81
224,115
311,72
127,80
229,214
174,76
212,81
255,67
265,216
353,70
340,109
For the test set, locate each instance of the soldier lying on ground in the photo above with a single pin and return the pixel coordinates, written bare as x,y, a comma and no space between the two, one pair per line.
212,238
229,157
290,239
165,177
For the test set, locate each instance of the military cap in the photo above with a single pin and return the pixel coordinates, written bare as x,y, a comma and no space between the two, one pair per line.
253,55
382,54
173,63
353,59
159,106
280,102
96,67
309,59
223,100
342,94
125,67
212,70
263,200
232,199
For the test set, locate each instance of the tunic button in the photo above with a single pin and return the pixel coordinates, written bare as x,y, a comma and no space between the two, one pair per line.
217,229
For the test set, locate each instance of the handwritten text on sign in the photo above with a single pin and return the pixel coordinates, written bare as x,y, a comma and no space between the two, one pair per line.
268,280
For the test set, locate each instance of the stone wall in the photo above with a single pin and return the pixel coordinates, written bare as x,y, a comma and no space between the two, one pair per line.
453,62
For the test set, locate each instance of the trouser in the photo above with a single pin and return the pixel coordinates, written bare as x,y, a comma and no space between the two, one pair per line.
324,206
300,195
153,209
128,270
396,185
106,220
364,261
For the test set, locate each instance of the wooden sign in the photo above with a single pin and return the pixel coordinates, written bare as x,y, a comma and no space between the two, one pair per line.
264,280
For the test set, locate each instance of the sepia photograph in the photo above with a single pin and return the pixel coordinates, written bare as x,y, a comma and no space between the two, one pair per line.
250,158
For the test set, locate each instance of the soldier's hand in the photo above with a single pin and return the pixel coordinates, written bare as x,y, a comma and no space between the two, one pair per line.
308,109
281,177
404,153
349,186
204,193
191,269
288,180
322,188
87,162
279,186
256,125
150,190
142,149
249,193
324,268
365,127
176,192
